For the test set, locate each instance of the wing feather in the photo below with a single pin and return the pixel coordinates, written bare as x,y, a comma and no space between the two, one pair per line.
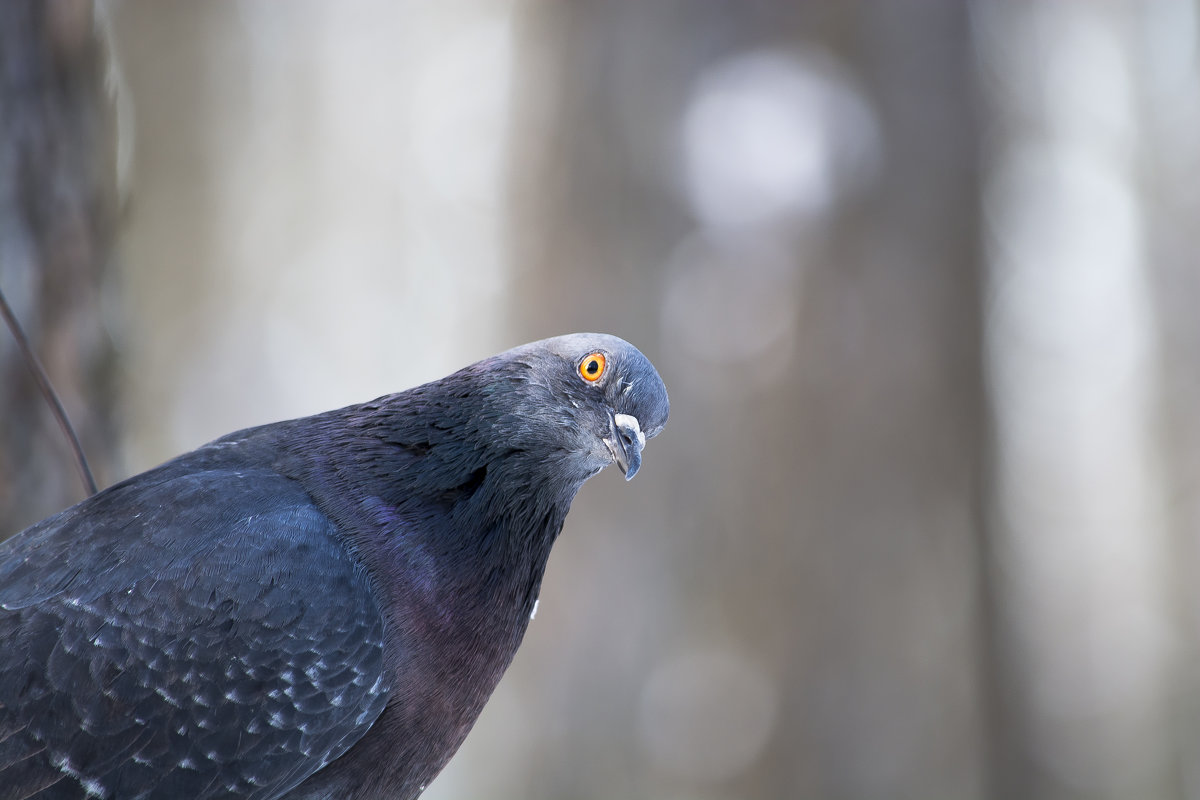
187,634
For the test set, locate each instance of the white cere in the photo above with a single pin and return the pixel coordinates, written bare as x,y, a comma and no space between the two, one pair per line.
628,421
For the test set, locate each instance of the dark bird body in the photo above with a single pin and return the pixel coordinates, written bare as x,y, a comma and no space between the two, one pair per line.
316,608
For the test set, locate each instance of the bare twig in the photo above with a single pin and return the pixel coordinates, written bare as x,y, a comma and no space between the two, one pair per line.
47,390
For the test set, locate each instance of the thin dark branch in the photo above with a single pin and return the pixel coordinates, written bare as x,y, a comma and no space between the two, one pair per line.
47,390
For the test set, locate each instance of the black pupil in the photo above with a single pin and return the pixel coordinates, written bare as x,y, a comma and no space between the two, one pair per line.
592,367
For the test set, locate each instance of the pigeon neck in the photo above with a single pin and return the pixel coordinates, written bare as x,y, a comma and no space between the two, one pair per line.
483,507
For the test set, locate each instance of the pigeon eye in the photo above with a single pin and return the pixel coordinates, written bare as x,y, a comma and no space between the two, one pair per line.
592,367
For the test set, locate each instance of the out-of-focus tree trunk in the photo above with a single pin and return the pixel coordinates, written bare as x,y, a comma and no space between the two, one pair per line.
1088,578
56,241
840,466
1171,113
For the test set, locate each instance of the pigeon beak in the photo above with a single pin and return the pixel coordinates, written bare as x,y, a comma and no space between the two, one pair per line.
626,444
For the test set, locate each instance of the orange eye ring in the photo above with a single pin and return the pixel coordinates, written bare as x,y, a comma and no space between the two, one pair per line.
592,367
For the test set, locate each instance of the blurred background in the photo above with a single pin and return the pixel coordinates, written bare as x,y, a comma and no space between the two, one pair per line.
920,276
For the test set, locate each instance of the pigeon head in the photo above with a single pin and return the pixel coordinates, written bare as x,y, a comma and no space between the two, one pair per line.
606,398
507,437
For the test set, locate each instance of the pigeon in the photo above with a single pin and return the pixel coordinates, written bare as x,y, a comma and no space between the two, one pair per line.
314,608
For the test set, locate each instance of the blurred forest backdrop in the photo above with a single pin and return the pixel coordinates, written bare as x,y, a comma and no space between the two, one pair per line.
920,276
